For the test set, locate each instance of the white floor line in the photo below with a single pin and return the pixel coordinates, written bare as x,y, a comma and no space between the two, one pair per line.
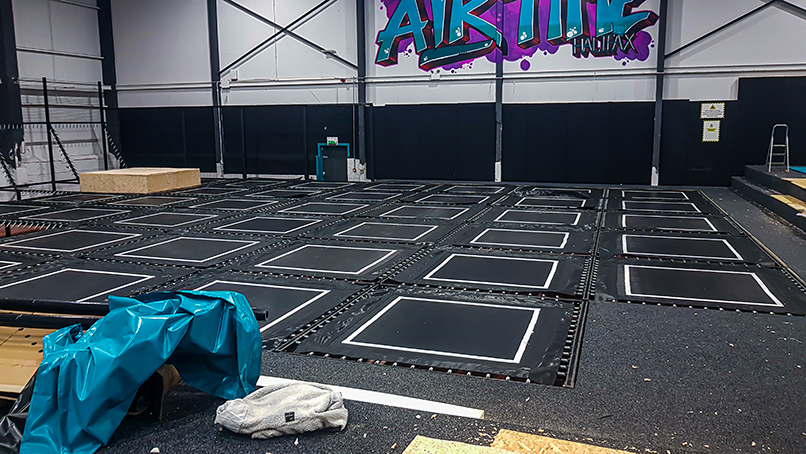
390,400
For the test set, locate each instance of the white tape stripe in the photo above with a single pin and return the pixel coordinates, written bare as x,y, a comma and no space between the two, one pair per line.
389,400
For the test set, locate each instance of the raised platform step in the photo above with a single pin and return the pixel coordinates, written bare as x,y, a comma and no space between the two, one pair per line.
790,183
140,180
787,206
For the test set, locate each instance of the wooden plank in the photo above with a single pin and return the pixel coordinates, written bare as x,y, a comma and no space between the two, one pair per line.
139,180
423,445
522,443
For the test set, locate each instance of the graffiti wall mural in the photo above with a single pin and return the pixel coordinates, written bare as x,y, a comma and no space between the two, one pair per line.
450,34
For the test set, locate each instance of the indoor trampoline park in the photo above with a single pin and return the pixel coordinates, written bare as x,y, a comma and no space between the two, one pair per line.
402,226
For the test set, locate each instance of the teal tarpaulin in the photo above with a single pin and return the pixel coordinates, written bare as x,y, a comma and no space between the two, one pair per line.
86,382
799,169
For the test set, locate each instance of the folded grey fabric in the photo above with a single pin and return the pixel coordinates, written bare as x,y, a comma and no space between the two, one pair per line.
284,409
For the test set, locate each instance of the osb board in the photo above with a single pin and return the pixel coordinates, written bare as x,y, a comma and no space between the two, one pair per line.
20,356
791,201
521,443
423,445
140,180
799,182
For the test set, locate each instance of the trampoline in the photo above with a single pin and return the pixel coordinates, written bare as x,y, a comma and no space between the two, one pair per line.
654,195
701,284
82,280
498,270
670,223
74,215
196,249
211,191
335,259
327,185
508,337
326,208
684,246
474,189
423,212
292,302
166,219
366,196
526,238
545,219
539,202
274,225
563,193
68,241
455,199
696,204
9,209
395,187
284,193
152,201
234,205
384,230
256,183
77,198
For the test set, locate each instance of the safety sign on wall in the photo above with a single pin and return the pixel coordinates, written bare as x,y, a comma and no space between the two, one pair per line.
712,110
710,130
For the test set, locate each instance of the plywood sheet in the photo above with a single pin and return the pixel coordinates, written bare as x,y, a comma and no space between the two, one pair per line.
139,180
522,443
423,445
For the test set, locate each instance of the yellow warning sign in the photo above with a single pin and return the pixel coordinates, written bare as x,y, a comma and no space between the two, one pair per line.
712,110
710,130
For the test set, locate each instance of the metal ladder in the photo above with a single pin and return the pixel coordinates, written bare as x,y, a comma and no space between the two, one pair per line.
772,154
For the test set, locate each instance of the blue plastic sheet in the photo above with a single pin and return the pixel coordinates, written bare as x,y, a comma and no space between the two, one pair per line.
86,382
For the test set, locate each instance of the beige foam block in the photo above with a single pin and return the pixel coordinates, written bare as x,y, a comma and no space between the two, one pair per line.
793,202
424,445
521,443
139,180
799,182
20,357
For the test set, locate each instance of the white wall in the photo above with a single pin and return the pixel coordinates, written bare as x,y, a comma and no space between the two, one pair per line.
59,41
160,42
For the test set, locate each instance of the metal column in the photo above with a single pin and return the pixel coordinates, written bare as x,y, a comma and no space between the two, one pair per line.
104,144
362,84
215,77
499,99
659,83
50,137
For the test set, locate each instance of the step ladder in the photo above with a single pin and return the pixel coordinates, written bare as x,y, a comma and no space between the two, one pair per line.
773,156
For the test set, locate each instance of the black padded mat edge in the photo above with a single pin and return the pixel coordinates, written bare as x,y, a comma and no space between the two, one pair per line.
786,288
702,203
712,224
611,245
541,361
338,293
567,281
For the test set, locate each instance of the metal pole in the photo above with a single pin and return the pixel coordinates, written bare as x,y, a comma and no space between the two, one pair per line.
103,124
184,141
362,79
305,140
215,75
243,144
50,137
659,83
499,100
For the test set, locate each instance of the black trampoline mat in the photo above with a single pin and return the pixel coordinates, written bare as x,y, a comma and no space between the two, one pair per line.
71,284
682,247
636,205
473,189
15,209
456,329
366,196
211,191
649,222
561,193
654,195
168,219
451,198
496,271
69,241
550,203
152,201
71,198
281,301
269,224
539,217
686,284
233,204
191,250
395,187
330,259
521,238
6,264
325,208
408,211
387,231
321,185
75,215
283,193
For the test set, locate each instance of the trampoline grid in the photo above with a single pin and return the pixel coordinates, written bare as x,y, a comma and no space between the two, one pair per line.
464,189
395,187
453,198
433,274
562,236
192,217
21,244
234,204
635,205
152,201
377,196
710,226
5,264
6,210
178,254
625,247
318,293
62,215
419,234
550,203
366,266
296,224
653,195
136,279
521,217
535,313
324,208
425,209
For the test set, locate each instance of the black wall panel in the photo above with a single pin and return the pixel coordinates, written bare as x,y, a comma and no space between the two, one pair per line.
274,139
434,141
154,137
605,143
330,121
